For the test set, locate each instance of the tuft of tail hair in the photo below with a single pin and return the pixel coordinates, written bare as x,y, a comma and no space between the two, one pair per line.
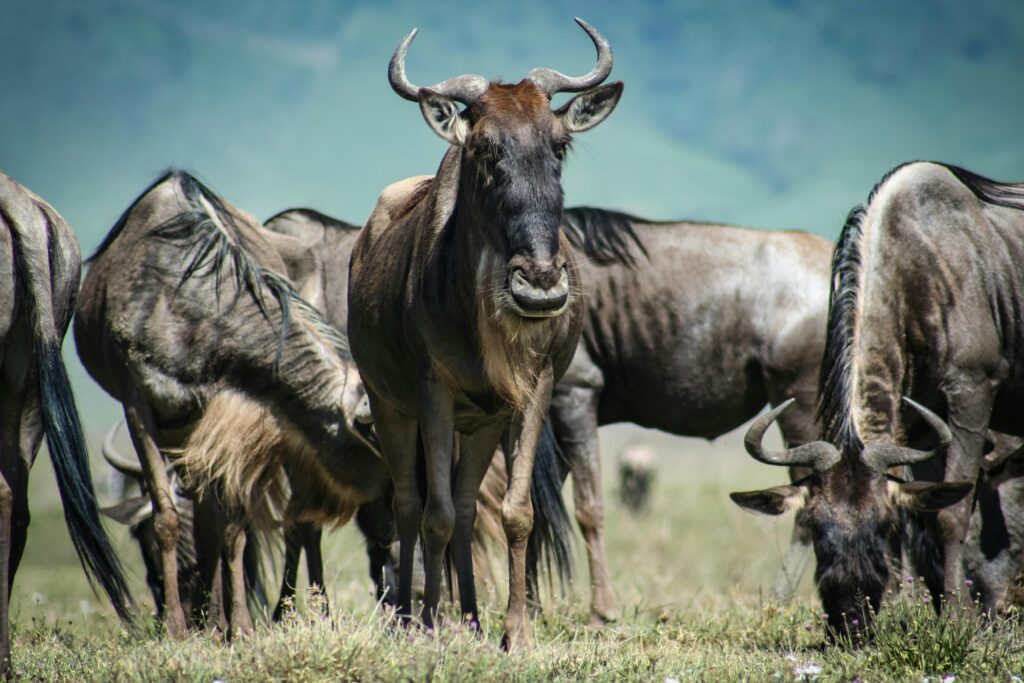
550,544
65,441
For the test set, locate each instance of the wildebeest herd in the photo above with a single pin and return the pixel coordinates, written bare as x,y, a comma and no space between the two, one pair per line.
293,375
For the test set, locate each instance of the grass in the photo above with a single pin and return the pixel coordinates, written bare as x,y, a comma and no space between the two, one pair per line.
691,576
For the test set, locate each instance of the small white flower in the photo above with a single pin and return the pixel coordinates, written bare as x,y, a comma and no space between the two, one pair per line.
85,607
37,598
671,679
807,671
948,678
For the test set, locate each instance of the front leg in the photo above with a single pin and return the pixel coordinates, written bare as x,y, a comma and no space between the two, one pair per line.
233,550
293,541
517,508
436,408
969,409
475,454
398,439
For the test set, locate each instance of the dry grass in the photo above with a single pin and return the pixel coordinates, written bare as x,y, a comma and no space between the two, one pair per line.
691,575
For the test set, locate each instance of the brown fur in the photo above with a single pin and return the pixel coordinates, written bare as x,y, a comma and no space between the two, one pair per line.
514,103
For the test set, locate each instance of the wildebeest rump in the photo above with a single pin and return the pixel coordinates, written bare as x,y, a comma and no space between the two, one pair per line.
40,266
464,310
926,291
186,319
690,328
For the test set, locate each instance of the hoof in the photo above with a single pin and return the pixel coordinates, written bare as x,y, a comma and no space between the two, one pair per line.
517,640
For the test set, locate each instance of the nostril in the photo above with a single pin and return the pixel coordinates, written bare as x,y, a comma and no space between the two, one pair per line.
540,294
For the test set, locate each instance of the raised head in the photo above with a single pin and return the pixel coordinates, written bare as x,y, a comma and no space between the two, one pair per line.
512,146
851,504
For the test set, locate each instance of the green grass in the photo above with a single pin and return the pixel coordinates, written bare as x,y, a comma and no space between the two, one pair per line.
691,576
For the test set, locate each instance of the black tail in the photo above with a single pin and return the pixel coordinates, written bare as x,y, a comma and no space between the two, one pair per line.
66,444
550,544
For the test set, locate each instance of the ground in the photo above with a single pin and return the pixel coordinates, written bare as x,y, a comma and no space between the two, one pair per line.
692,576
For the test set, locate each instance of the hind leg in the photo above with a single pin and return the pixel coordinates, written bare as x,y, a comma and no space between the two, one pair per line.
574,418
16,472
142,427
9,454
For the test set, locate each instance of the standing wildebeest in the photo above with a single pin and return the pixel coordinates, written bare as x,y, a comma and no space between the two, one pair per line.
464,310
926,298
39,272
330,242
690,328
185,319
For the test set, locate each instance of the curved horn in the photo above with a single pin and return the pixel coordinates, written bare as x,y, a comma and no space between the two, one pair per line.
466,88
551,81
820,455
882,456
115,459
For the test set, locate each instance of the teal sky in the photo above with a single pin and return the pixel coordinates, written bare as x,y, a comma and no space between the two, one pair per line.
775,114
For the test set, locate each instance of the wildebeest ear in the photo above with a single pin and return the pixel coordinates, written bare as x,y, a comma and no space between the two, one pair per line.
928,496
588,109
131,511
442,115
773,501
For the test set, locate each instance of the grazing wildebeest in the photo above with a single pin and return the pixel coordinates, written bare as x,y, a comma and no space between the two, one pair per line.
691,328
920,361
464,310
40,267
186,319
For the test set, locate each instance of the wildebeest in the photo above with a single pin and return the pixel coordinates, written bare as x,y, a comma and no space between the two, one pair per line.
691,328
40,267
920,362
636,476
464,310
185,317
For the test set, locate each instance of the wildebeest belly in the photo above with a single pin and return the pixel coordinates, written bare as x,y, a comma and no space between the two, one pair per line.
704,394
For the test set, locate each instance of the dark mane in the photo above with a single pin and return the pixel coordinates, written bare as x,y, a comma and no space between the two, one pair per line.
217,244
1010,195
328,332
837,364
603,236
314,215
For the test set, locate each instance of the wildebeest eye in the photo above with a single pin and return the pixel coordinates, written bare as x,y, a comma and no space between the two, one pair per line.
561,149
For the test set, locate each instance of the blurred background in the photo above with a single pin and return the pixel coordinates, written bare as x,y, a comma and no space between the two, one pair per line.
775,114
